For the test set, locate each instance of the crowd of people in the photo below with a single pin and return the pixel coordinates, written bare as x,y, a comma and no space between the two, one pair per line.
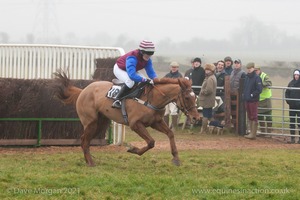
208,83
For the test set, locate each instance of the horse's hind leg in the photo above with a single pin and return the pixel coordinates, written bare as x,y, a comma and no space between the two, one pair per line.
88,134
95,127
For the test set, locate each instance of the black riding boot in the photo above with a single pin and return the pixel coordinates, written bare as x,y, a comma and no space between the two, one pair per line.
117,103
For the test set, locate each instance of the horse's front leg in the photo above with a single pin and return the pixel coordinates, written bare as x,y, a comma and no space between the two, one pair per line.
161,126
141,130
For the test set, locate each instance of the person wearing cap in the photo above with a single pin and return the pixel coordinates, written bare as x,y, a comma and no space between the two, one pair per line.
293,100
236,75
207,95
196,74
171,108
251,92
228,65
264,104
128,66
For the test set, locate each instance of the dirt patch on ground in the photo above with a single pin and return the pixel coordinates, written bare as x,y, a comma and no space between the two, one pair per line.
220,143
225,143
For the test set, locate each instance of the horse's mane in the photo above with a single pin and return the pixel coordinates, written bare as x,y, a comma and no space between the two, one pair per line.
164,80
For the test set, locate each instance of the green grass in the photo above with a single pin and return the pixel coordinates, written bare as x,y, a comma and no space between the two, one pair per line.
204,174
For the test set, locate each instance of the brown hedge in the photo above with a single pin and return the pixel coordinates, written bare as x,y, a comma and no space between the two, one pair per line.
20,98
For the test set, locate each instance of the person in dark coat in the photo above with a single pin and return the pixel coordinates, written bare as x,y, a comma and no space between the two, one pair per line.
251,92
293,100
196,74
220,76
228,65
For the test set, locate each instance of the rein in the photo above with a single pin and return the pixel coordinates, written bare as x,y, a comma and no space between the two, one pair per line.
149,105
183,106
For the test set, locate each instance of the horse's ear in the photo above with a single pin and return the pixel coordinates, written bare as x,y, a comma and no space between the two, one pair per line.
181,83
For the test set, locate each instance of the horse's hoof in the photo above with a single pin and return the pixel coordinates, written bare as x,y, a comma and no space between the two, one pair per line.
132,150
128,145
176,162
92,164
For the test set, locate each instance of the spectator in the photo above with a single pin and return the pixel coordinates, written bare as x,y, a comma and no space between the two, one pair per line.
236,75
171,108
235,78
207,95
265,104
293,99
196,74
252,90
220,76
228,65
189,71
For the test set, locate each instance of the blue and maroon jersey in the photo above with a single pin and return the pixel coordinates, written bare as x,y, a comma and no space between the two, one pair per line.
132,62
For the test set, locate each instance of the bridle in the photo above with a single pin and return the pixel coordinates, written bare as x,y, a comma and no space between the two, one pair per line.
183,106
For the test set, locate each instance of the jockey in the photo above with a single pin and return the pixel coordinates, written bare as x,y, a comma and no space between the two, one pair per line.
127,67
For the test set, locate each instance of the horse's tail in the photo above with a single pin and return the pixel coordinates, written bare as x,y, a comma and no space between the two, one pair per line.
64,90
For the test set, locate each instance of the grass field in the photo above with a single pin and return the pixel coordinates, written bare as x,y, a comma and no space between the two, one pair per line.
206,173
61,173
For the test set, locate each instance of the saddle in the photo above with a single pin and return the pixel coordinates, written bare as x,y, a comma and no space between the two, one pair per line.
133,93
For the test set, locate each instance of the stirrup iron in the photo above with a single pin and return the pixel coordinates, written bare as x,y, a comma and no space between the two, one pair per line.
116,104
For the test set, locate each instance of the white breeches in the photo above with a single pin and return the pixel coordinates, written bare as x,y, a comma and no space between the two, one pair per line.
123,76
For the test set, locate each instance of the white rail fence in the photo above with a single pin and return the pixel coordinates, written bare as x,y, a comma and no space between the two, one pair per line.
26,61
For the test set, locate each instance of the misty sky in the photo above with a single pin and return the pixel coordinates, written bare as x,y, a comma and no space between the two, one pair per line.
179,20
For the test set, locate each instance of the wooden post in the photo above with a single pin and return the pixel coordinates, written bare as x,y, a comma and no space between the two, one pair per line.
227,102
241,126
236,111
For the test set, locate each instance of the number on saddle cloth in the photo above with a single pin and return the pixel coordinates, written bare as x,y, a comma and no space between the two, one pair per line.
114,91
136,91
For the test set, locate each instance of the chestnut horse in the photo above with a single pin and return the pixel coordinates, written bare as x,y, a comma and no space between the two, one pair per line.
95,111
